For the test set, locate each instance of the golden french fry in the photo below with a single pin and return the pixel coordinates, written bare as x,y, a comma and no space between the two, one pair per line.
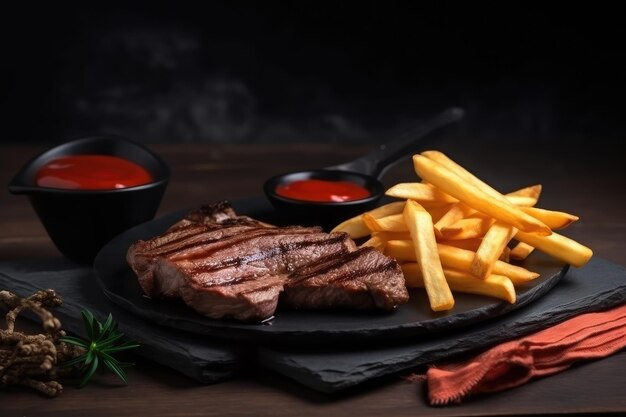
375,241
473,227
457,258
554,219
461,259
521,200
499,208
401,250
420,226
491,247
357,228
521,251
497,286
462,173
392,223
559,247
420,192
388,209
378,240
387,236
467,244
457,212
534,191
524,197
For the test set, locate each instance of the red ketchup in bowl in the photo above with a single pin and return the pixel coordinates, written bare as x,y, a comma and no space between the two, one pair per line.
323,191
91,172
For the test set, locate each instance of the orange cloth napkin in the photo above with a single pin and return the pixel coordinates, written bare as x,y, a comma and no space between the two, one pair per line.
587,336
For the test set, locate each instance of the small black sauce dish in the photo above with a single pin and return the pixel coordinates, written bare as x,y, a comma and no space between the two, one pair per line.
365,171
325,214
80,222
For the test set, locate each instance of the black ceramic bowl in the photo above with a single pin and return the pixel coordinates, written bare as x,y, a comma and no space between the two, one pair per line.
80,222
324,214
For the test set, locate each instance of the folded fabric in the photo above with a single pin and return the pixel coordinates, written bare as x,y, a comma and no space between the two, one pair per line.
510,364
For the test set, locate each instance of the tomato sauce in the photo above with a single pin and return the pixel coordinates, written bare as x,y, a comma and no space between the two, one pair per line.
91,172
322,191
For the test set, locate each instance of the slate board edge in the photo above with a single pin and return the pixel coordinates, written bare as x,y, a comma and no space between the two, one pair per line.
324,382
200,370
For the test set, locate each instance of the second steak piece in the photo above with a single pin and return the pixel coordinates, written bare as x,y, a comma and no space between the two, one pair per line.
362,279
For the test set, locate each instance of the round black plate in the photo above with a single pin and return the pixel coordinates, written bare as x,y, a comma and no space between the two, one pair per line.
311,327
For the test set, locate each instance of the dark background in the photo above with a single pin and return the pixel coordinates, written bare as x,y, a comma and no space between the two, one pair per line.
309,70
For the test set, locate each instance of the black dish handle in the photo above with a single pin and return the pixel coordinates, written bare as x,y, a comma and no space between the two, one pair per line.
378,161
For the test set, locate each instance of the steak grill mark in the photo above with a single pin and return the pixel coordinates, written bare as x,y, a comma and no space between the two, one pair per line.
233,240
351,274
281,249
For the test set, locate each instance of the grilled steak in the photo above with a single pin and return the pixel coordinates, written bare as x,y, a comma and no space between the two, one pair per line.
247,274
143,256
362,279
228,266
206,225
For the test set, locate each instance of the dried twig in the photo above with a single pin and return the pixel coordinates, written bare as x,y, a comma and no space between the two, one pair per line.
31,360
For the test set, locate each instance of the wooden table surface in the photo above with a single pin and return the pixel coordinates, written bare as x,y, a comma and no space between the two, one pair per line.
576,179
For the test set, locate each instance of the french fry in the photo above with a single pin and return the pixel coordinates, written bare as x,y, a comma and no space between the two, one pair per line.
378,240
457,212
491,247
496,286
392,223
464,174
499,208
534,191
402,250
457,258
554,219
524,197
375,241
387,236
388,209
420,192
521,200
356,227
473,227
420,227
559,247
467,244
521,251
461,259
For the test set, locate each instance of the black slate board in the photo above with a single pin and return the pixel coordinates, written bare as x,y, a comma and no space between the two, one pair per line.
597,286
307,327
203,360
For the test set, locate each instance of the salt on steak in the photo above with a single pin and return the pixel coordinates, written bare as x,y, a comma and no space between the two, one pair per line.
229,266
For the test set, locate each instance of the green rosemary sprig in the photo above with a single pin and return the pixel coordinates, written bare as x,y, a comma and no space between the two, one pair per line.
103,340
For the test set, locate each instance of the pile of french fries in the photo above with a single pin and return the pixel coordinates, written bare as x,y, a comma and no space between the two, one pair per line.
452,232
